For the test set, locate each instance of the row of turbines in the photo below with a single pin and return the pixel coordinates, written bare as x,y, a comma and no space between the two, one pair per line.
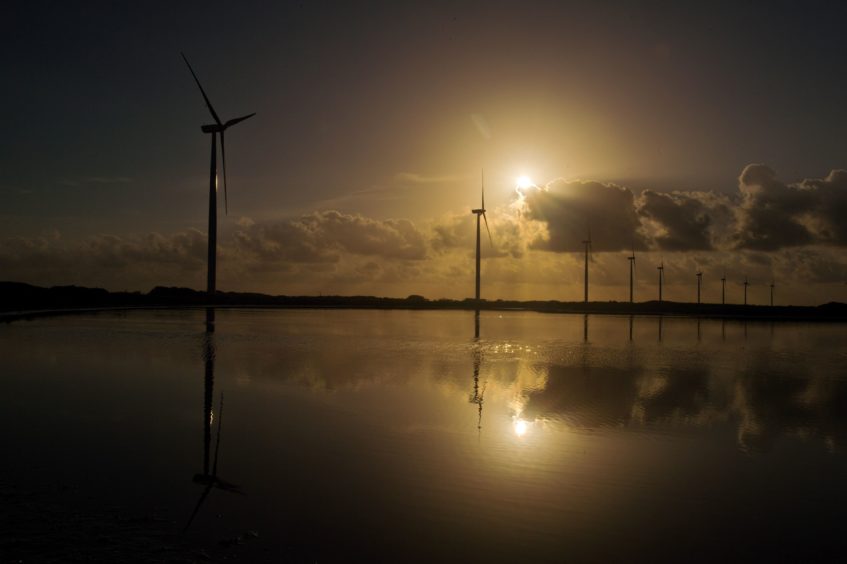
480,215
661,270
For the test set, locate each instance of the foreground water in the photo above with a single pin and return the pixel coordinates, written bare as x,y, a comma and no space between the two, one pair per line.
398,436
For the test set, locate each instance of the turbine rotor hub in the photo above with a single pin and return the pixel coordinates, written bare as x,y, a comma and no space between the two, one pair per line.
212,128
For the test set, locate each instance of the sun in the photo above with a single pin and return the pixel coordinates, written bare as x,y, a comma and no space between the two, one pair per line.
524,181
521,427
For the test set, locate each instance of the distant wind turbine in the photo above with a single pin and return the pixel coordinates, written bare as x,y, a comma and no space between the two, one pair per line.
480,212
587,244
699,281
745,290
631,259
772,287
723,288
215,129
661,269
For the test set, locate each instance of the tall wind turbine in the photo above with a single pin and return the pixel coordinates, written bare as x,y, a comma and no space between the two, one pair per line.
480,212
587,244
723,288
631,259
214,129
745,290
772,287
699,280
661,269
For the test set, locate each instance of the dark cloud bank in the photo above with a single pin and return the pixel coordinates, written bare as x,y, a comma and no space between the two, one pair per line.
764,214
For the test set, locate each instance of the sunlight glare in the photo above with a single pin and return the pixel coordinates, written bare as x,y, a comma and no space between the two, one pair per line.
524,181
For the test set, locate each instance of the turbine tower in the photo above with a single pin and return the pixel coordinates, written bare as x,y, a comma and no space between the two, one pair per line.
745,290
587,244
631,259
699,280
661,269
480,212
214,129
723,288
772,287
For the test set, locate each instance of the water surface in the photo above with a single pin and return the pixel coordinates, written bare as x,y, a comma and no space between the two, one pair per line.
397,435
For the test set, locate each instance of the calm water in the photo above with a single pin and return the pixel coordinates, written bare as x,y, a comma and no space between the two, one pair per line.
397,436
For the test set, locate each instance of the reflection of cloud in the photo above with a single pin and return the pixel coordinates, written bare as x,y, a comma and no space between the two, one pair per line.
765,403
583,396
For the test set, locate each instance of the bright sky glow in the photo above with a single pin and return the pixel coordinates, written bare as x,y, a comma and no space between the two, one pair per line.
524,181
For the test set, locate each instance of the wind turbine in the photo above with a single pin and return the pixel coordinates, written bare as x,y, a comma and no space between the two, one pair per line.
699,280
661,269
215,129
587,244
631,259
723,288
745,290
772,287
480,212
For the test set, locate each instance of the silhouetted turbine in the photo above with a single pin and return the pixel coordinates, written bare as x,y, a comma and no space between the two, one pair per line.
631,259
772,287
215,129
699,280
723,289
587,244
661,269
745,290
480,212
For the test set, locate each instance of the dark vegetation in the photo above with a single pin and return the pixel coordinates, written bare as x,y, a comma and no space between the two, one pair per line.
22,300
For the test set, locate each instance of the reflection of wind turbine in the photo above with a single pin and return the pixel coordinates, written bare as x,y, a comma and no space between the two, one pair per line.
699,281
480,212
477,396
587,244
661,269
210,479
215,129
631,274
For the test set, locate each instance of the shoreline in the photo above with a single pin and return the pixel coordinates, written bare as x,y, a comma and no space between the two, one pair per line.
603,310
22,301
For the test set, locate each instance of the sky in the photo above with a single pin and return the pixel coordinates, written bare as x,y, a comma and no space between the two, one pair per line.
709,137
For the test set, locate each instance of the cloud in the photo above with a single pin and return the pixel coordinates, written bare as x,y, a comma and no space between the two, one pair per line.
569,208
678,221
770,210
764,214
324,236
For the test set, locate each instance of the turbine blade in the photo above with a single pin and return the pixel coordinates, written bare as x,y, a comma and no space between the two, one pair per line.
482,185
203,92
223,160
485,219
233,121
